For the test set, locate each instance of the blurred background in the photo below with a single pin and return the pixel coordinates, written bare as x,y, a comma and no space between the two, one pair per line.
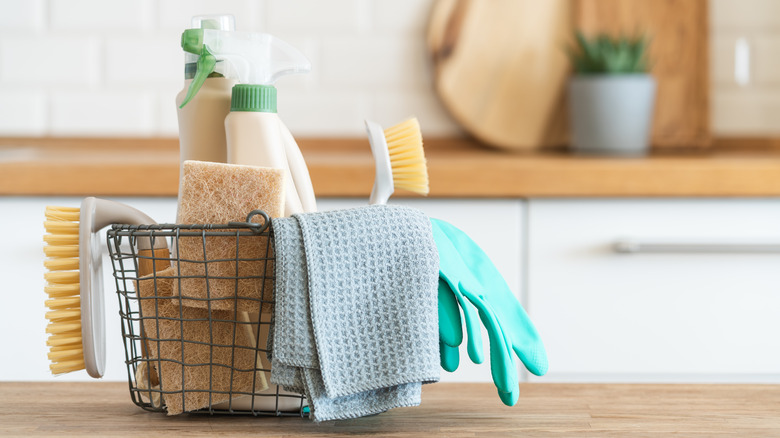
113,68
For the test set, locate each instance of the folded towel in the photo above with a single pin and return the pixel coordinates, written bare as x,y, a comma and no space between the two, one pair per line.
356,317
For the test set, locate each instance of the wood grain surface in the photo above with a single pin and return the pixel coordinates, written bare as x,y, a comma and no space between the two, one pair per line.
34,409
457,168
679,56
500,68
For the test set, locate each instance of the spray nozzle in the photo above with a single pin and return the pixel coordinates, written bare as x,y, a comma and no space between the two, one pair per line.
192,42
252,58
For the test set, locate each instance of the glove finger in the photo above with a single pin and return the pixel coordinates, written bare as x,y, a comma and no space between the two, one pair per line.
510,398
502,365
450,327
534,357
474,341
449,357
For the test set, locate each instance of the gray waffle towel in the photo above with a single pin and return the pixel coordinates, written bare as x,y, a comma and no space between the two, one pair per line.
355,319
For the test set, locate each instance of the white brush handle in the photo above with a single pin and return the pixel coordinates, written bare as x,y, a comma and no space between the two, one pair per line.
383,178
96,214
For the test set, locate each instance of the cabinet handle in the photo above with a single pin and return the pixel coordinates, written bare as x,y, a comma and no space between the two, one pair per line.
635,246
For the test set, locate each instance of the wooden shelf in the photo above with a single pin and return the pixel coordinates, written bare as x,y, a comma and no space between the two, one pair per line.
345,168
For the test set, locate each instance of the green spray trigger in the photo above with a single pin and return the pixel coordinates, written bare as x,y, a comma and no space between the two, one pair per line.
192,42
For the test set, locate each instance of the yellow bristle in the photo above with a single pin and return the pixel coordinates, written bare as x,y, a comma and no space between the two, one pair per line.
61,227
63,213
58,356
61,250
63,327
62,264
66,367
72,340
62,277
407,158
56,291
55,348
61,239
64,302
63,289
64,315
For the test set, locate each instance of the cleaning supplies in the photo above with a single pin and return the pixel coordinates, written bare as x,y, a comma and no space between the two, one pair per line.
355,319
473,279
75,281
254,133
202,115
398,158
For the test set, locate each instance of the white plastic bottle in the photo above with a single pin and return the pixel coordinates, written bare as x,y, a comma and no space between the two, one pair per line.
254,136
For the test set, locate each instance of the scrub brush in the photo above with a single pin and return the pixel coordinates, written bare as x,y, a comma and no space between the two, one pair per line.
75,280
399,159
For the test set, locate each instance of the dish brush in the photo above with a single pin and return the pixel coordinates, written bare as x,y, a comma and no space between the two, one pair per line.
399,159
75,280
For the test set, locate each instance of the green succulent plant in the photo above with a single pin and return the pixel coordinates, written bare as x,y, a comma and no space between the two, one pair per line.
603,54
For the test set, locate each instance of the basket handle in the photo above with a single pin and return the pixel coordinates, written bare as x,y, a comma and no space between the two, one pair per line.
254,226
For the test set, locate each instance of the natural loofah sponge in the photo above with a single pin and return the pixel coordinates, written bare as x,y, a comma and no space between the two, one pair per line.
217,193
204,355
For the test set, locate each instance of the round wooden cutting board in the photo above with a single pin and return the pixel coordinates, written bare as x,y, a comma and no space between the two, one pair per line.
501,68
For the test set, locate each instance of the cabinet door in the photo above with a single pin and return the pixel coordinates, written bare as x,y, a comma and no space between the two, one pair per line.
664,316
496,226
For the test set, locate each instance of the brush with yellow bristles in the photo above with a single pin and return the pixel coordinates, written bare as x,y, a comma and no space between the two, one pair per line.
399,159
75,280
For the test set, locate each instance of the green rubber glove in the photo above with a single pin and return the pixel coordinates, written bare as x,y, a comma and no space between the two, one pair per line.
502,368
491,288
456,278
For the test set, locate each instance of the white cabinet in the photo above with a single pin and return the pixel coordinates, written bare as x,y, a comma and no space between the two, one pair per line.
606,316
496,225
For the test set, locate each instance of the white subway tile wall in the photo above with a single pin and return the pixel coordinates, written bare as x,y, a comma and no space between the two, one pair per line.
112,68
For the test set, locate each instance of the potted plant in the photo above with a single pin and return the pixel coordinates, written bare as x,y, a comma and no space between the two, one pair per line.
611,95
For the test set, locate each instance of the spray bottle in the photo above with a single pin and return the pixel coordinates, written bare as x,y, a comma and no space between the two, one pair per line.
254,133
201,116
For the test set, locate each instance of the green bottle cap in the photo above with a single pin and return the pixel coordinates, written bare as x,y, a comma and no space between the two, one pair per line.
253,97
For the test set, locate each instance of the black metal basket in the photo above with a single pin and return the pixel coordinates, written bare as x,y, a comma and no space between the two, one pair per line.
144,320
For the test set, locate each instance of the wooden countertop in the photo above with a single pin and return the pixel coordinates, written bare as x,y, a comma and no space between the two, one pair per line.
344,167
593,410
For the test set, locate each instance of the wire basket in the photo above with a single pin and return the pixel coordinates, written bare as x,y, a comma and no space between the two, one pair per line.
196,317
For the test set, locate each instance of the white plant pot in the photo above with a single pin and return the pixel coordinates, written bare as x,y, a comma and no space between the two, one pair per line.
611,114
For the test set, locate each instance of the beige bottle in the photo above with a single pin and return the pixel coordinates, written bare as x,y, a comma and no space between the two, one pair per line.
201,121
204,102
